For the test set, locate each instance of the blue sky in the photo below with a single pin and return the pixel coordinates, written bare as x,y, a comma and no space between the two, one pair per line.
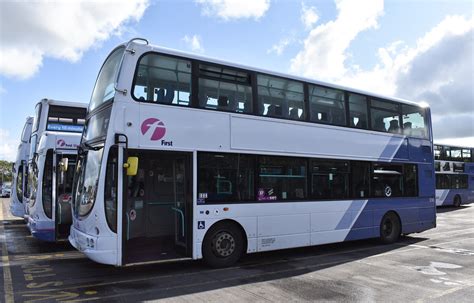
397,48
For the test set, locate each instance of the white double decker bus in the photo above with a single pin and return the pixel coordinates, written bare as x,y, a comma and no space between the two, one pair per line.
20,170
189,157
55,137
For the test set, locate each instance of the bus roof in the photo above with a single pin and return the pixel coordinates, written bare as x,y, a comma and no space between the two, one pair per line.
173,52
455,146
64,103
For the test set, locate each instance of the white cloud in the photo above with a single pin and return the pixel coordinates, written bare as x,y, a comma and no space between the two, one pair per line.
279,47
438,69
8,146
194,43
33,30
234,9
464,142
324,52
309,16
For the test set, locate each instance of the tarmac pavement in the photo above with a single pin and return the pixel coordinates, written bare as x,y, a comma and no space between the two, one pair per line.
434,266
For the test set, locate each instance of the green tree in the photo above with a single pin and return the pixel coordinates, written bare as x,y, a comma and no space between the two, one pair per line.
6,173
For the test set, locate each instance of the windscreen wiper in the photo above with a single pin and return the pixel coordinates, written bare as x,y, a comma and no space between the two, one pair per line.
92,147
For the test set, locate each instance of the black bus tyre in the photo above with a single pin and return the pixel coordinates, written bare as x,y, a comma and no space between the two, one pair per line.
390,228
223,245
457,201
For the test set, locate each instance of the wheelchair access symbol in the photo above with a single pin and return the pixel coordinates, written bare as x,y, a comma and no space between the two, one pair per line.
201,225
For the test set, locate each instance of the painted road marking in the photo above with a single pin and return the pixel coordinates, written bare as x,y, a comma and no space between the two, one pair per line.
58,296
434,268
7,275
63,293
413,247
245,266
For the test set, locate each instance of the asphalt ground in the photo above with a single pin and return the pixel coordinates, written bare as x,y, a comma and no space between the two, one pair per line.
433,266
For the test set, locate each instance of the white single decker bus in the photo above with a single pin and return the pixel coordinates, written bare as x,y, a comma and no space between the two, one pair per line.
189,157
56,135
20,170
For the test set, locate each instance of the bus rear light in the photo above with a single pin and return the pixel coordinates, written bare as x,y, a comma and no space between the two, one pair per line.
90,242
226,208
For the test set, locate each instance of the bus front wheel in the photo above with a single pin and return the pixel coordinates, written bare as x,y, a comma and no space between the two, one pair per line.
390,228
223,245
457,201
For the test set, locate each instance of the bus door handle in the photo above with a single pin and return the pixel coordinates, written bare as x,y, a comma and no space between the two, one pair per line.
128,225
59,212
179,211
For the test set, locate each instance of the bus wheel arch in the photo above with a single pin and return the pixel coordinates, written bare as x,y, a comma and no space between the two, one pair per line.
224,243
390,227
457,200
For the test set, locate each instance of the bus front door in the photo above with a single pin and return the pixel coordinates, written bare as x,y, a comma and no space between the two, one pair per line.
63,195
158,208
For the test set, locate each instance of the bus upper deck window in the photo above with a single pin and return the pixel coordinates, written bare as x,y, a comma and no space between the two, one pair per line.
327,105
414,123
162,79
224,88
281,98
385,116
358,111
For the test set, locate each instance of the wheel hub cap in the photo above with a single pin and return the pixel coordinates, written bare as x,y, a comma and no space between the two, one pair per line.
224,244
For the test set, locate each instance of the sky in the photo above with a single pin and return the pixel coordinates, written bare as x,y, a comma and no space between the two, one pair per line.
420,50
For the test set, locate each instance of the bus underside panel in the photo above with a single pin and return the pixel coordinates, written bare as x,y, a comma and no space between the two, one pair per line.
157,212
16,207
42,229
298,224
446,197
415,214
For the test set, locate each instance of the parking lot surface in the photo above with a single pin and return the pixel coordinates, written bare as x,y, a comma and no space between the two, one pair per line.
433,266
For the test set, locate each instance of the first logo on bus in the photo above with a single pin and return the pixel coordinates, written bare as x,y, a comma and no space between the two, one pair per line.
153,128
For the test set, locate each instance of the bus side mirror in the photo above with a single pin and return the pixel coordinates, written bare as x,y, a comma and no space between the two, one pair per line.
63,164
131,166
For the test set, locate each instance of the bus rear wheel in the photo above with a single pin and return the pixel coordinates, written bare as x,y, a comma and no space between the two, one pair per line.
457,201
223,245
390,228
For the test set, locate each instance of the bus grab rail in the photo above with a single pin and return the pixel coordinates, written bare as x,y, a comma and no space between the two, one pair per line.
179,211
157,203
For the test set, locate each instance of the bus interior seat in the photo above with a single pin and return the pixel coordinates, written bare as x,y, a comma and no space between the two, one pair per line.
271,111
284,109
278,110
362,123
352,120
169,96
337,117
379,124
160,95
203,98
323,117
222,102
407,129
394,127
294,113
233,104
